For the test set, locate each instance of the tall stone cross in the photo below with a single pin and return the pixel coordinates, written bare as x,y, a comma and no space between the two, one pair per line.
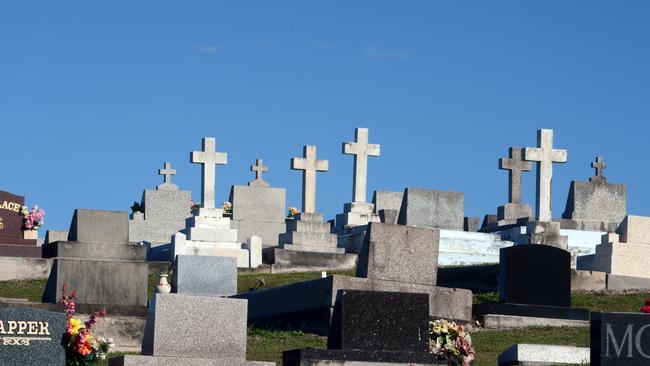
309,165
259,169
599,165
208,158
167,173
515,165
361,149
545,155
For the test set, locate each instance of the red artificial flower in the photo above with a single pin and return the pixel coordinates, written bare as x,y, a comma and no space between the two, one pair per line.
646,308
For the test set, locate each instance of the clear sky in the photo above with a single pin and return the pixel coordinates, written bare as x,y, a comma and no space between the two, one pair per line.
95,96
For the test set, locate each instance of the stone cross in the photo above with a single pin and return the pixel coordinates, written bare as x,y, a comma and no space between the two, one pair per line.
309,165
361,149
167,172
208,158
515,166
258,168
545,155
599,165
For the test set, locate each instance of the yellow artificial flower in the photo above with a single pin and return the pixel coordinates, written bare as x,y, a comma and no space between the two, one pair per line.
73,326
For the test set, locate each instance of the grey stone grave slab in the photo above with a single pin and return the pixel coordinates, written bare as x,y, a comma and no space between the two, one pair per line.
620,339
419,259
99,226
55,235
387,200
205,275
193,330
31,337
260,211
99,282
432,208
470,224
543,354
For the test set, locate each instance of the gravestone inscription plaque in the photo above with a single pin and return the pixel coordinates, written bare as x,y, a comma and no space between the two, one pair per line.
621,339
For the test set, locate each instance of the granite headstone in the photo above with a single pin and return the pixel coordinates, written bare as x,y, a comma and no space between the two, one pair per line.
205,275
432,208
621,339
31,337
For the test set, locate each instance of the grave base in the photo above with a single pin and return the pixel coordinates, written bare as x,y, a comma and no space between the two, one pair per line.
329,357
128,360
527,310
332,261
28,251
538,354
73,249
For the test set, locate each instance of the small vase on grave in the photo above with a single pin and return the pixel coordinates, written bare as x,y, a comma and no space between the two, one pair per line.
30,234
163,286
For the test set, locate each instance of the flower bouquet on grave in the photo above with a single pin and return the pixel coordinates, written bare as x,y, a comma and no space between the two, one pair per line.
227,207
293,211
646,307
194,207
450,341
82,348
33,219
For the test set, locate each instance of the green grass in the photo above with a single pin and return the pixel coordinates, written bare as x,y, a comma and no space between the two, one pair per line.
31,290
265,345
490,343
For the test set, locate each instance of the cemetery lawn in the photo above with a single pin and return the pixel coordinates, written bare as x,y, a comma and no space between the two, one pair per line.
249,281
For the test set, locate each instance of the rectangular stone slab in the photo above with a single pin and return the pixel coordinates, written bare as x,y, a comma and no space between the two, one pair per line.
621,339
69,249
635,229
258,203
374,320
329,357
99,226
35,341
205,275
208,327
129,360
399,253
541,354
596,201
432,208
99,281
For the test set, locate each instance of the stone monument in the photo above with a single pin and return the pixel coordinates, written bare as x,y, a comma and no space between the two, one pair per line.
387,205
627,254
164,211
514,212
620,339
258,209
308,241
13,239
193,330
208,232
596,205
98,261
544,230
433,209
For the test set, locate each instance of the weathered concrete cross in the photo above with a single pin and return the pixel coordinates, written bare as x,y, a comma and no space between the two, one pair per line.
259,169
167,172
208,158
309,165
599,165
515,165
545,155
361,149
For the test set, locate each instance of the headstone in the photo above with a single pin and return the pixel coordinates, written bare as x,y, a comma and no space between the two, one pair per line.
358,212
622,257
254,246
12,237
536,275
368,327
514,211
55,235
193,330
388,216
545,155
309,165
98,261
432,208
164,212
31,337
597,204
470,224
620,339
377,261
387,200
205,275
543,354
208,232
258,209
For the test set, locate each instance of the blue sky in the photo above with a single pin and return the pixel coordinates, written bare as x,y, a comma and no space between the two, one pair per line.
95,96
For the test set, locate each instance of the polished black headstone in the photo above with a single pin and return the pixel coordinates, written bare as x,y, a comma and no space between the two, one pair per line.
620,339
535,274
31,337
389,321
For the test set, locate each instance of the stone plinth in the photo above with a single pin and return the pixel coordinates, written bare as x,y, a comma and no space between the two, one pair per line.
635,229
209,233
193,330
205,275
432,208
541,354
622,259
546,233
387,200
82,250
260,211
513,214
164,213
595,205
307,233
355,214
